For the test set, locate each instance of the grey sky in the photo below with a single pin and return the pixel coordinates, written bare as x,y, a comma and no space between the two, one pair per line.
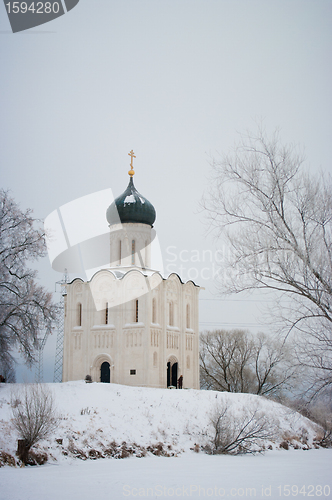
173,80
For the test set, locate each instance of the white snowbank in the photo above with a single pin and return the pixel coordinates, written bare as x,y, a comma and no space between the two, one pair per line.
95,415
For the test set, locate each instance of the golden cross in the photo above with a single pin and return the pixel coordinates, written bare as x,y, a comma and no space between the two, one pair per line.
131,171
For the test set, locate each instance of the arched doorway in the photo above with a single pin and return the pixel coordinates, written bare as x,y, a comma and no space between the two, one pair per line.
105,372
172,372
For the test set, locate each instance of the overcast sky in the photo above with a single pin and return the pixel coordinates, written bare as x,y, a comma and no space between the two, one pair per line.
175,81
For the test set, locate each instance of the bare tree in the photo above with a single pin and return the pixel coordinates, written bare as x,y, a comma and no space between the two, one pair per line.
34,416
237,361
318,409
224,357
277,220
240,433
25,307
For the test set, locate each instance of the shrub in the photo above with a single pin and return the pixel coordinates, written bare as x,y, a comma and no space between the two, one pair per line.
284,445
33,416
37,458
234,434
7,459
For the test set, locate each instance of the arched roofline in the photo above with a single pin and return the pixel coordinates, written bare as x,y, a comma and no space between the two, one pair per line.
180,280
100,271
133,271
75,279
124,275
110,271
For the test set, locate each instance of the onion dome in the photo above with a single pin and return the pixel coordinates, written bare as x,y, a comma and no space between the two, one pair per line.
131,206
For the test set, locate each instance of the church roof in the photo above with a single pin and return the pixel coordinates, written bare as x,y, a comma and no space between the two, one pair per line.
131,206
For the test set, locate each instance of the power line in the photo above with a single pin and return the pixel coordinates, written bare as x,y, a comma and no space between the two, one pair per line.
230,324
239,300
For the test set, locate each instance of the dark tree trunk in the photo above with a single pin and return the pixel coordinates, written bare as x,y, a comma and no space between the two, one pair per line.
22,450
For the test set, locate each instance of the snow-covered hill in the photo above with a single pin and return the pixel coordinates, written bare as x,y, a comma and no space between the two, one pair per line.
97,419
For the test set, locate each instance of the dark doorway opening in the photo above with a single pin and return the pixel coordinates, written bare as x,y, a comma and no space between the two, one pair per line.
172,374
105,373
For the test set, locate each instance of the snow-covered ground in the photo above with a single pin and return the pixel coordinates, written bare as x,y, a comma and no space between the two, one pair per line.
271,475
97,418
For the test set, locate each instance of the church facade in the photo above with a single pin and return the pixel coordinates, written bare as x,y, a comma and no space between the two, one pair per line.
128,324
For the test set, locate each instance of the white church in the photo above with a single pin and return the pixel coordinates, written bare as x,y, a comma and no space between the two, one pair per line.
128,324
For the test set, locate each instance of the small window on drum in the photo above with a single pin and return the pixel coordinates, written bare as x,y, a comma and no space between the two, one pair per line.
133,252
132,372
154,311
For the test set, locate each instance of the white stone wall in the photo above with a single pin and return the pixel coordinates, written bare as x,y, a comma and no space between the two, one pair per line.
166,328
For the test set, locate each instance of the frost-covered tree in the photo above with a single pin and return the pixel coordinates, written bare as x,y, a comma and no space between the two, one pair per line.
26,309
277,220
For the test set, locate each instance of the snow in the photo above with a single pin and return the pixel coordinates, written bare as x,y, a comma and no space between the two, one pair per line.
187,476
130,199
93,415
136,324
109,326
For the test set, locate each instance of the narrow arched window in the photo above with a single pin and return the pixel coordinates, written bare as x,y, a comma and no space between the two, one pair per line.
106,314
133,252
188,362
136,311
154,311
120,252
171,314
79,315
188,316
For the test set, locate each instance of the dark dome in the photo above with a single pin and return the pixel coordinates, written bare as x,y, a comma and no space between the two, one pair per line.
131,206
